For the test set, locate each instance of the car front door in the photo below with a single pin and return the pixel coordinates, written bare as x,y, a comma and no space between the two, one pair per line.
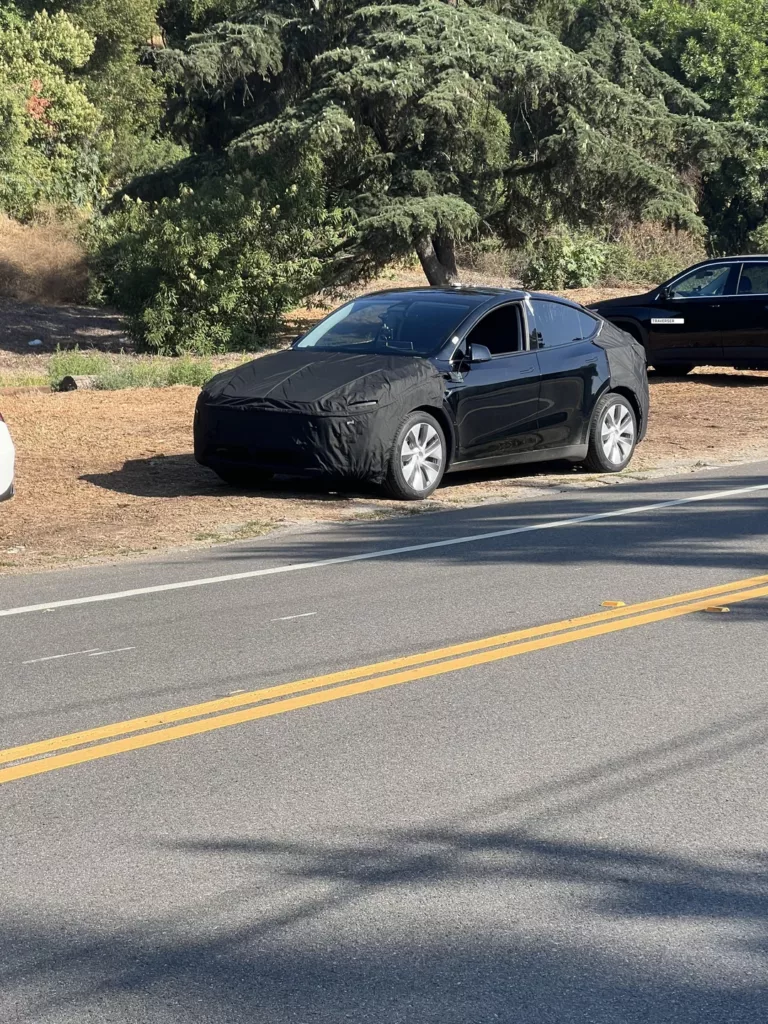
495,402
686,326
572,370
745,318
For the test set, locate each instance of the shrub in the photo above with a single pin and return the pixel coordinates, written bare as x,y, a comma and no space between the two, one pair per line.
211,269
562,261
649,254
758,239
637,254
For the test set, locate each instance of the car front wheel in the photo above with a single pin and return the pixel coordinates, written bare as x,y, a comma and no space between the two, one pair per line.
418,458
612,436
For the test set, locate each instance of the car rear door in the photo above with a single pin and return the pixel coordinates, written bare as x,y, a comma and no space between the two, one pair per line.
495,403
686,325
572,370
745,318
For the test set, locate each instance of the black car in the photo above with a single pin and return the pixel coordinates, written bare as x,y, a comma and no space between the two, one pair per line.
399,387
713,314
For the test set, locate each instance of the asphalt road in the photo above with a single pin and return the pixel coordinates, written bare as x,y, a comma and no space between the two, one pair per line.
548,821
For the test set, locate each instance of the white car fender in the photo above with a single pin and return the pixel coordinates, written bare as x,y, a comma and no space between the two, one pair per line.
7,461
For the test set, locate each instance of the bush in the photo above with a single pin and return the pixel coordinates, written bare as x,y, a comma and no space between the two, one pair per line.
649,254
758,239
211,269
638,254
561,261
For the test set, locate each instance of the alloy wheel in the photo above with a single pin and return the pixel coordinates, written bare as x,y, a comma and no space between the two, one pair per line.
617,433
421,456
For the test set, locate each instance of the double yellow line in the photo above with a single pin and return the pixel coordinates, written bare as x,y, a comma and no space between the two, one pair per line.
150,730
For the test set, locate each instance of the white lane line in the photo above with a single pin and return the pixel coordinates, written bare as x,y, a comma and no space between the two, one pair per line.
287,618
207,581
116,650
54,657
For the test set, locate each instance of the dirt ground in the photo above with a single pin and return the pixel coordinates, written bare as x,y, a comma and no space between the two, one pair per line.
105,475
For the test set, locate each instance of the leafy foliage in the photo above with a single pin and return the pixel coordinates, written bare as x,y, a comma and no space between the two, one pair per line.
251,151
48,127
432,122
213,268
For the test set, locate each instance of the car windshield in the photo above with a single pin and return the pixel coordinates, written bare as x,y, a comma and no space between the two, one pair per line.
398,324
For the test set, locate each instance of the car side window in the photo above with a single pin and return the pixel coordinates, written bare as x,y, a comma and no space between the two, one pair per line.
589,325
500,331
552,324
701,283
753,279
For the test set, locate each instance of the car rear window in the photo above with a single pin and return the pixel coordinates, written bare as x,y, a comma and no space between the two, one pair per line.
552,324
394,324
753,279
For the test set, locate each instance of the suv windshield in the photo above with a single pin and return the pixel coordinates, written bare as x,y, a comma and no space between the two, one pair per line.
398,324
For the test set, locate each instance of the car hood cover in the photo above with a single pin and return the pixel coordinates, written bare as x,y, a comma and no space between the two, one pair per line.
333,412
304,380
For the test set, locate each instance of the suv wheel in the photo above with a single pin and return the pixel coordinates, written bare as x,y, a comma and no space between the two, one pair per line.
418,458
612,435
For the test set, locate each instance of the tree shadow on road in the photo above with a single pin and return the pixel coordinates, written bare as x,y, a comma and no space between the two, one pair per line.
500,912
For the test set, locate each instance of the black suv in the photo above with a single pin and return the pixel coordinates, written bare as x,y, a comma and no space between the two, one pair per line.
713,314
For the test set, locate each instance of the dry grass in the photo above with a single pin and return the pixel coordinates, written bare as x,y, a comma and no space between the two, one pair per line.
42,261
106,475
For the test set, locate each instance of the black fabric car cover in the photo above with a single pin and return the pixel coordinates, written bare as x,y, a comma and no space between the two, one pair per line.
626,363
303,409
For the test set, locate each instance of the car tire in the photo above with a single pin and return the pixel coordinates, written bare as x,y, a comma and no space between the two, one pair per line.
418,458
245,479
612,435
672,370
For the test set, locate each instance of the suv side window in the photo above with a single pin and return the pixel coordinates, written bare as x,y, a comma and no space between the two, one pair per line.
500,331
553,323
702,283
753,279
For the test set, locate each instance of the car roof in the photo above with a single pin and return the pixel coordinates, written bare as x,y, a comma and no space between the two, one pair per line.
478,291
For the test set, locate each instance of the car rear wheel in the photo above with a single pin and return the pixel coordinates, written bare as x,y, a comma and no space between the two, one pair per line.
245,479
612,435
672,370
418,458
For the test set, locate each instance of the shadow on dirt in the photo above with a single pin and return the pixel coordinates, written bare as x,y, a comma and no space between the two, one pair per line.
178,476
65,326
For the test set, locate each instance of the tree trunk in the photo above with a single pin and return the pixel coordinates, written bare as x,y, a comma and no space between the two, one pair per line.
438,260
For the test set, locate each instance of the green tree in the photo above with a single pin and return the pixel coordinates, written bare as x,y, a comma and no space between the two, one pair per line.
120,80
430,122
717,47
48,127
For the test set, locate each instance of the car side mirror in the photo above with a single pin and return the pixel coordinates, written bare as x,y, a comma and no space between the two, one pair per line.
665,294
479,354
